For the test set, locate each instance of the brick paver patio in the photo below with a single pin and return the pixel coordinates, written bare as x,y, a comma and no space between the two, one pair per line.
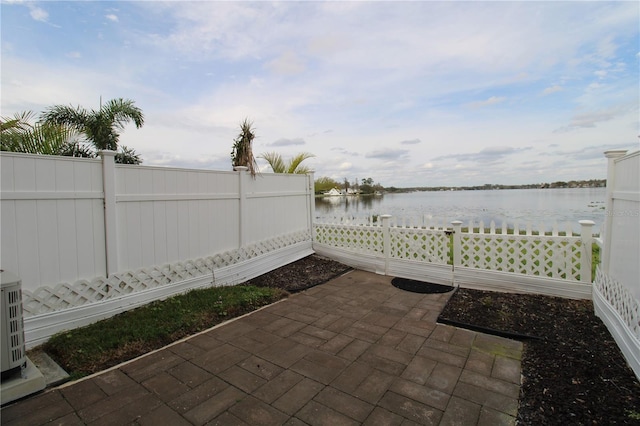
355,350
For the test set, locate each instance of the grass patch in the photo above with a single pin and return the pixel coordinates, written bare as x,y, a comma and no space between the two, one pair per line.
133,333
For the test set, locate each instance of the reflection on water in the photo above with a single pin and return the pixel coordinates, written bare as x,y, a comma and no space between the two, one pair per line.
347,205
539,206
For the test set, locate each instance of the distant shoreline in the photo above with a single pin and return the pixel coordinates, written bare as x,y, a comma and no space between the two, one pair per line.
573,184
591,184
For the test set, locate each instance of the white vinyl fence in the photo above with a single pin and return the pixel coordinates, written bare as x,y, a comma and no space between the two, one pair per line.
616,293
90,238
500,259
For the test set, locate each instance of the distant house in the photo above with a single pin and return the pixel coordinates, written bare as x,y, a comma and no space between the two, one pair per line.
333,192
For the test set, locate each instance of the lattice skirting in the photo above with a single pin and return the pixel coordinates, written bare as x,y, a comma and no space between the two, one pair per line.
38,328
621,300
64,296
620,312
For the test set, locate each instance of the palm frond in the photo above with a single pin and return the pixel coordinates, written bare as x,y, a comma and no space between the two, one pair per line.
101,127
127,156
294,163
275,161
121,111
70,116
41,138
19,122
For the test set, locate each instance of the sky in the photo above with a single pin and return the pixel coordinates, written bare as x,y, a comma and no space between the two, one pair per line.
415,93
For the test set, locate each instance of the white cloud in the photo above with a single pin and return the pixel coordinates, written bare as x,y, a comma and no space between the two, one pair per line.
407,88
287,64
493,100
38,13
287,142
112,17
590,119
388,154
552,89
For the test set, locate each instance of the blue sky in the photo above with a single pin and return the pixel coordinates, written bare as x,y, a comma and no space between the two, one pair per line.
407,93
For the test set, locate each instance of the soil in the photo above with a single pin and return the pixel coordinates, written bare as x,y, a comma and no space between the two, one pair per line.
301,275
573,372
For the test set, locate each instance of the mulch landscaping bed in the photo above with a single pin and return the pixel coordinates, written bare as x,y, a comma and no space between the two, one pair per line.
301,275
573,372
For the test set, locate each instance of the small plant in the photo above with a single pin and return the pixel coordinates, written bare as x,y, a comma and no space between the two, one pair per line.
634,415
242,152
486,301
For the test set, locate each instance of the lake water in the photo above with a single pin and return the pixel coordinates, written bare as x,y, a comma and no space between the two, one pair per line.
539,206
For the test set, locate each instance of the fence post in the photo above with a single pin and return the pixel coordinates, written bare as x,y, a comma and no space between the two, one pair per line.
110,217
586,258
242,194
457,243
605,256
312,202
386,241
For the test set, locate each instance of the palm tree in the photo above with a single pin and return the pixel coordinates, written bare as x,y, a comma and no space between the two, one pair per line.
278,165
242,151
17,134
102,127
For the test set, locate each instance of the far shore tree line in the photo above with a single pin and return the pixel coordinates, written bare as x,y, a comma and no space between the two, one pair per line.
324,184
366,186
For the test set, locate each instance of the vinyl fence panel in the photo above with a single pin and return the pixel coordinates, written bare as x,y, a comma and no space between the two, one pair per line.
52,219
167,215
90,238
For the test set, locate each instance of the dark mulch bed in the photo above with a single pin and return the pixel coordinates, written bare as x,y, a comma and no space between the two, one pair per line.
574,374
300,275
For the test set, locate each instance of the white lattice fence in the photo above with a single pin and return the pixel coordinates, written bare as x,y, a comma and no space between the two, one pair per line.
503,259
534,253
620,299
425,245
66,295
557,257
359,238
620,312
